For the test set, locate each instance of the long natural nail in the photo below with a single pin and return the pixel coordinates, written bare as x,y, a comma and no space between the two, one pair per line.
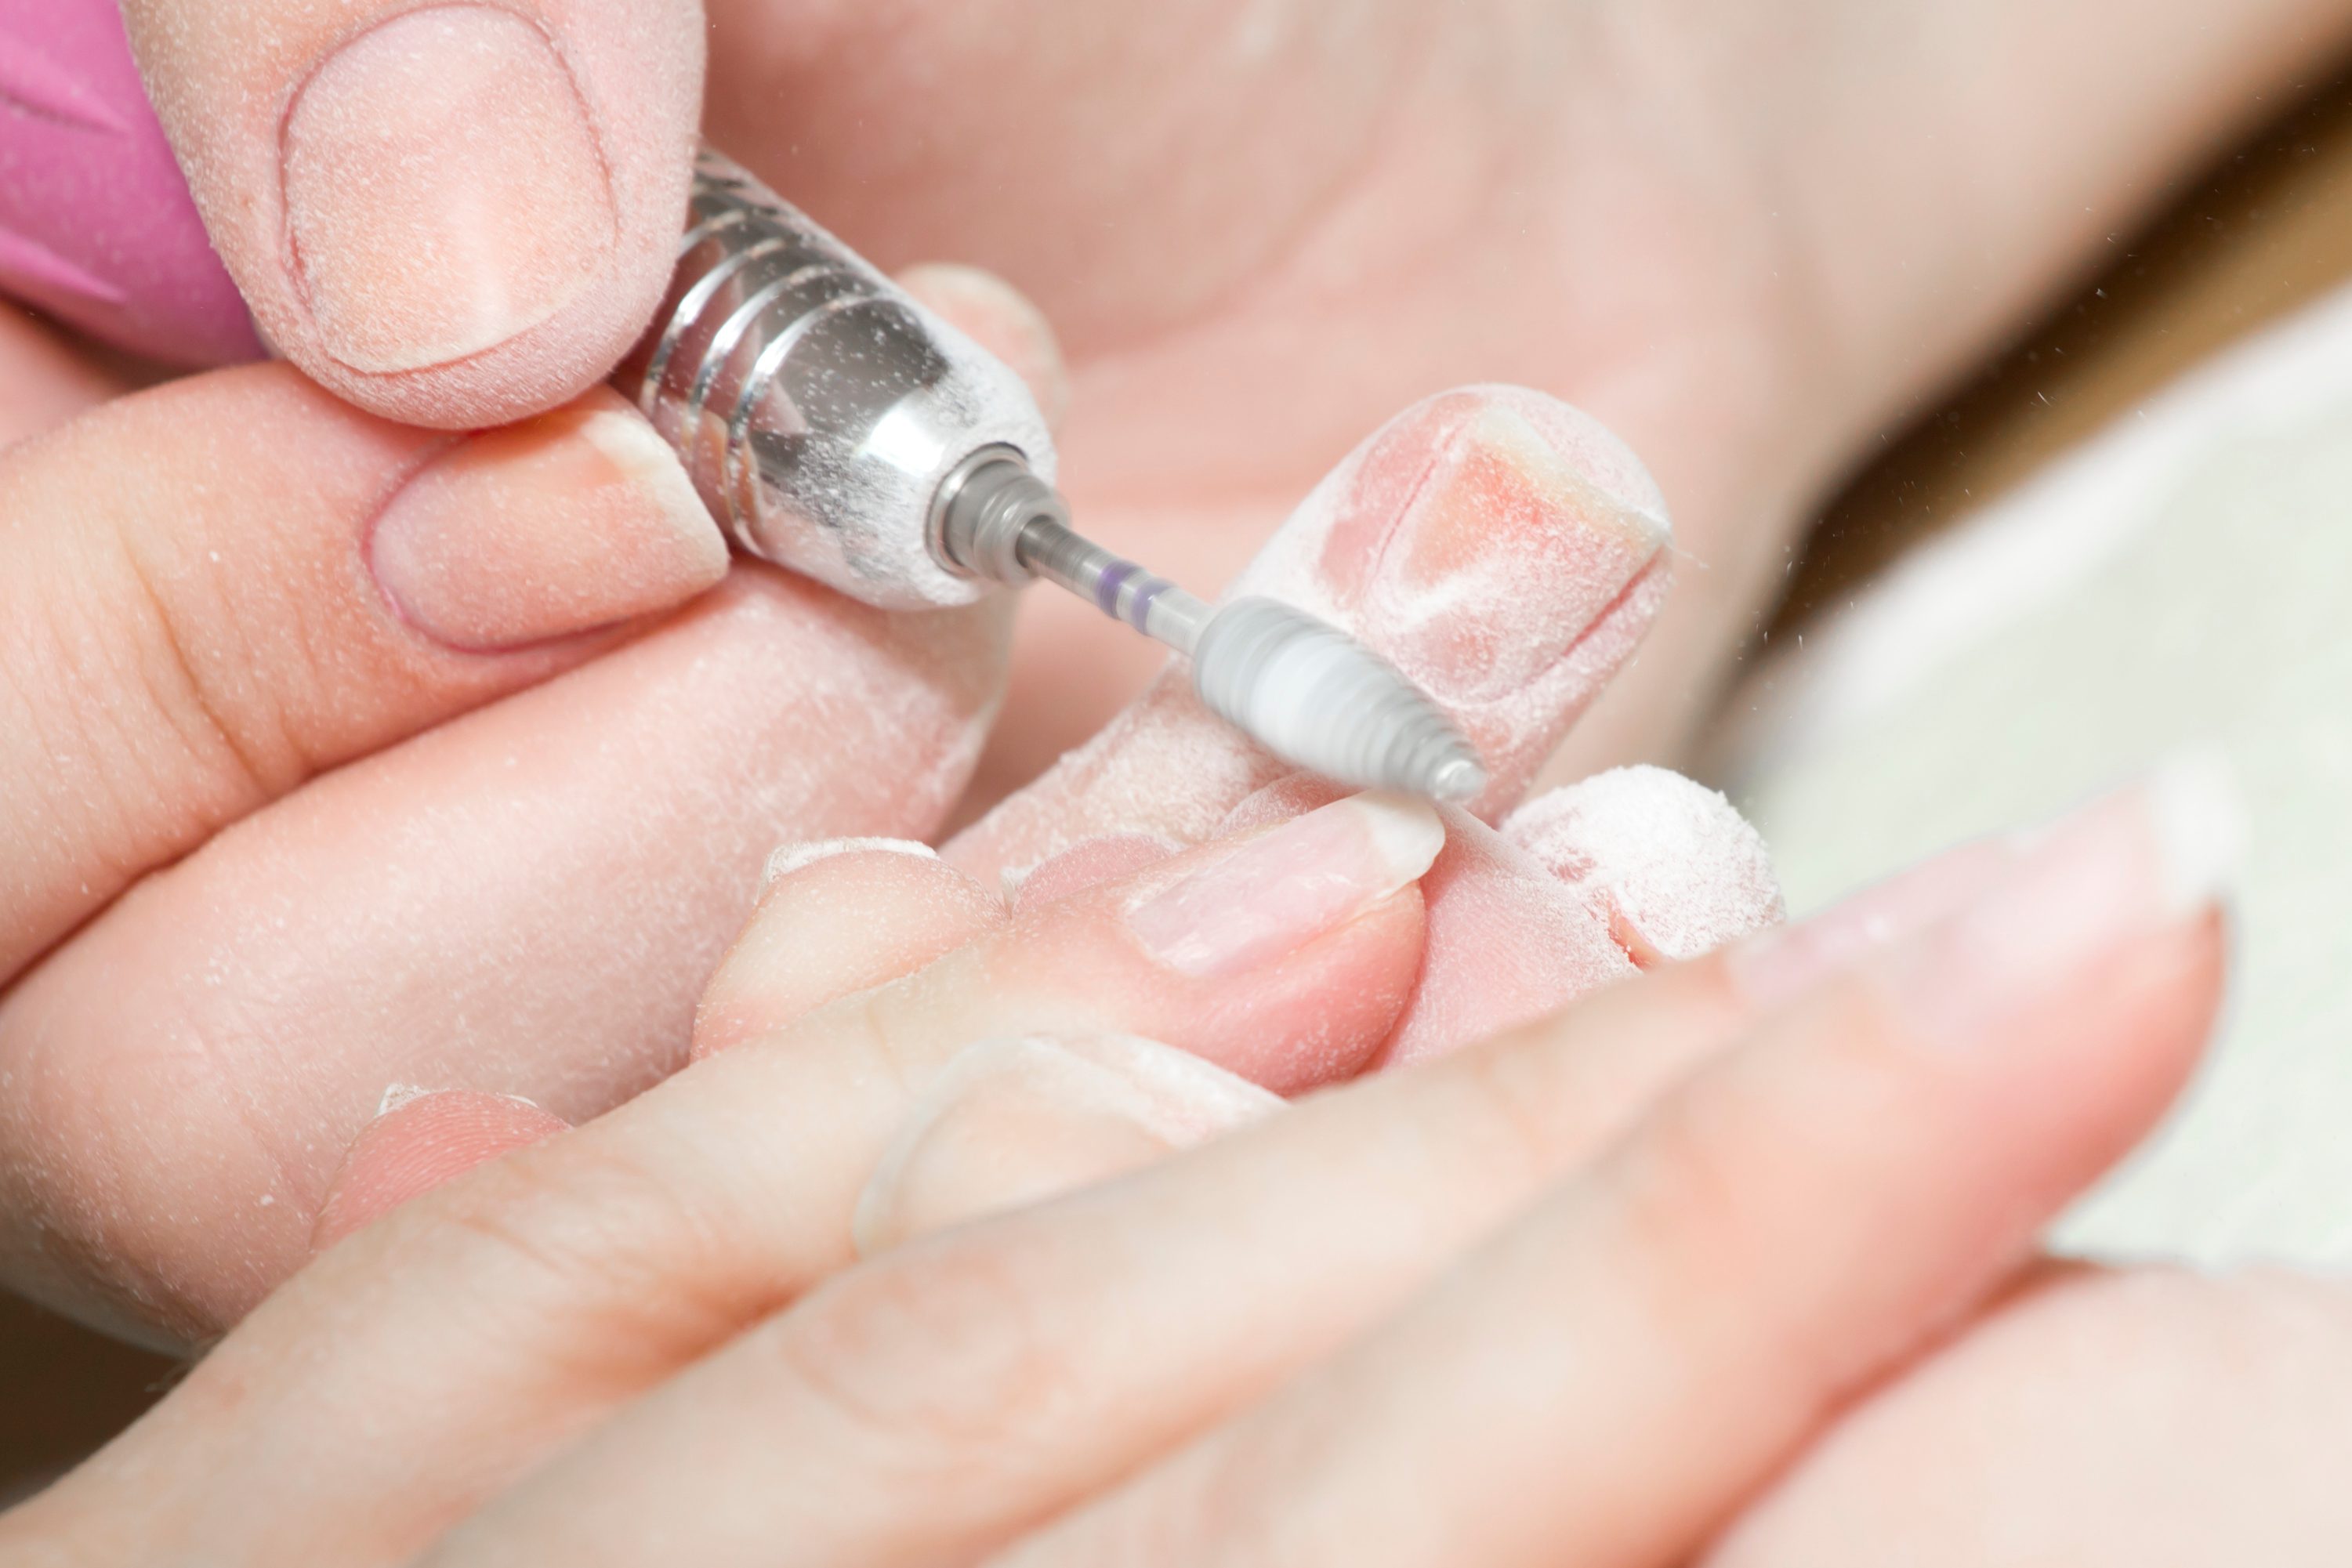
1285,888
1995,918
1012,1122
2165,851
1783,964
569,521
444,189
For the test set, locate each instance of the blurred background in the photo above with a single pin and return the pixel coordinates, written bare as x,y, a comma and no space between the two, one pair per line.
2132,529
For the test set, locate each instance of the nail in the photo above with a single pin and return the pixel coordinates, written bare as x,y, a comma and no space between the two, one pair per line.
569,521
1518,538
2133,864
1781,965
1279,890
791,858
1013,1121
2001,916
444,188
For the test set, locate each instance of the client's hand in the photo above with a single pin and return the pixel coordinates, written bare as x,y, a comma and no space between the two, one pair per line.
1571,1294
336,753
527,900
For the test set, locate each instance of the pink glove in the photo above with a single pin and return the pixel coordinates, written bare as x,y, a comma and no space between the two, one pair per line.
96,225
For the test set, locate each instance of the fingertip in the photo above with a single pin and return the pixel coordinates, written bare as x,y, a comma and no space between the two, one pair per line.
836,918
421,1139
560,524
1502,548
1286,956
452,216
1678,871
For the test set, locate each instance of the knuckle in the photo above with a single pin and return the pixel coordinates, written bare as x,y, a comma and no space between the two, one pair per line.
1512,1124
1687,1196
602,1241
214,662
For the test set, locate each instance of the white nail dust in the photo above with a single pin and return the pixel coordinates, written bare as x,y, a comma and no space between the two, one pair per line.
1682,871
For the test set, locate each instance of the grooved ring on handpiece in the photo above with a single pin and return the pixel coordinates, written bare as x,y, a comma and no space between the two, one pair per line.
978,512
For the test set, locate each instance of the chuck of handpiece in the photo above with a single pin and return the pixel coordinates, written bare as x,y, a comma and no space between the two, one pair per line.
818,407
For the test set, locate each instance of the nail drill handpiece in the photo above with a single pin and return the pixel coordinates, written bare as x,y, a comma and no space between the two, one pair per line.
819,407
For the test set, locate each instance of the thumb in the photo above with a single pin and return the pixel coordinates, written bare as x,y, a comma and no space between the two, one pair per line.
451,215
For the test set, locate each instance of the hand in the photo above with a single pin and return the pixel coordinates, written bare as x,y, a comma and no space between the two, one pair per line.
294,806
189,1064
1571,1294
1743,236
2103,1418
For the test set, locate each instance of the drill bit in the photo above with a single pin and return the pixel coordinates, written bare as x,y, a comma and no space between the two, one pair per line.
1303,689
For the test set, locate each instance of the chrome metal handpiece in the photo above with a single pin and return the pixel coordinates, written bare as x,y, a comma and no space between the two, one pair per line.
836,426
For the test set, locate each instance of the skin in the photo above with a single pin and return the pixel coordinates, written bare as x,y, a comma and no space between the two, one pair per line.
170,1143
1875,191
1746,395
1612,1195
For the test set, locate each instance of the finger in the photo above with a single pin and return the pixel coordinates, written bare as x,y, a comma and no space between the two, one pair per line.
1672,866
524,900
1234,1265
1502,548
43,381
455,215
421,1139
225,586
836,918
627,1247
1603,1382
1583,888
1012,1122
2044,1433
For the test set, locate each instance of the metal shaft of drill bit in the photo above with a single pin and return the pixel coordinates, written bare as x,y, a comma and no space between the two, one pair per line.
1305,691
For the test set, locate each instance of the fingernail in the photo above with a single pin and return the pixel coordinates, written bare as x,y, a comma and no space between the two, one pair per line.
799,857
569,521
1013,1121
1279,890
1783,964
444,188
2001,916
1513,545
2165,851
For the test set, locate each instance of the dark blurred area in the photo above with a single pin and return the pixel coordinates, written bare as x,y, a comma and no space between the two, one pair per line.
2267,231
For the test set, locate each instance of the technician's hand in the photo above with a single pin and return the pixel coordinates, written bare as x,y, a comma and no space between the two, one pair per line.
1572,1295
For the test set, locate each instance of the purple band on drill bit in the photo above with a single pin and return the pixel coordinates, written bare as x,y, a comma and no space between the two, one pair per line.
1140,610
1107,589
